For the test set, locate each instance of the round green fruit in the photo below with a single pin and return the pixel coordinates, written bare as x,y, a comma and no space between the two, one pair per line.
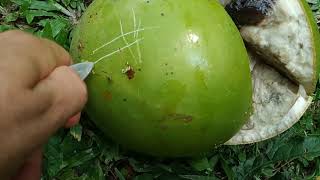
171,78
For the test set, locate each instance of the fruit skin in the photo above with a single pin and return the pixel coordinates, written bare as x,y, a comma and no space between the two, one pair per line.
316,39
190,91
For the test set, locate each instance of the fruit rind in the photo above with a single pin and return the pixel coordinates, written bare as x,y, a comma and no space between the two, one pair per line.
267,128
185,95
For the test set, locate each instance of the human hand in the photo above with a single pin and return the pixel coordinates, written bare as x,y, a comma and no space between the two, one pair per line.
39,93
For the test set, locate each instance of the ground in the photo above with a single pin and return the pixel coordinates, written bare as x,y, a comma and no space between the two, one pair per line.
83,153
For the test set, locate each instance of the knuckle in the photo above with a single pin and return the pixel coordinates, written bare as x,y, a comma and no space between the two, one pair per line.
21,40
61,54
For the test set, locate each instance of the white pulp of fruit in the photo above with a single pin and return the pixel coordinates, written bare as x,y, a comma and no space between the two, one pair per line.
283,51
277,102
284,39
225,2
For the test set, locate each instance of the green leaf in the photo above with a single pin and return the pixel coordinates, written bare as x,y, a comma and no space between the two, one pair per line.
66,2
96,172
200,164
169,177
242,156
54,157
76,132
31,14
21,2
145,176
42,5
139,166
4,27
164,167
268,171
227,169
312,147
47,32
111,154
195,177
11,17
64,10
81,157
119,174
214,161
68,174
4,3
62,38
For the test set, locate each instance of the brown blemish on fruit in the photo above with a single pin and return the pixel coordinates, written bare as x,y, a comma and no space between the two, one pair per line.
109,79
163,127
80,46
180,117
107,76
107,95
129,71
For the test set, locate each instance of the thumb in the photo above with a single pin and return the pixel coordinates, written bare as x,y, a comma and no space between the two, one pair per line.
66,95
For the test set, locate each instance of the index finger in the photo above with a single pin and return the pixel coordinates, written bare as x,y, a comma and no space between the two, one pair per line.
26,59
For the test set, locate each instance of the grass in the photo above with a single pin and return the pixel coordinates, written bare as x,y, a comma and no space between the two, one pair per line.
83,153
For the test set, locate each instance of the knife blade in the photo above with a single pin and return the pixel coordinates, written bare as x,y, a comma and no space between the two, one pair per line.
83,69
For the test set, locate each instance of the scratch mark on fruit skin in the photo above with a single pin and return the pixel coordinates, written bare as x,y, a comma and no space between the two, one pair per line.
116,51
123,35
126,42
138,44
120,36
134,22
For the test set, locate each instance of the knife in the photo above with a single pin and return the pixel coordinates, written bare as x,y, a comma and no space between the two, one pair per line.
83,69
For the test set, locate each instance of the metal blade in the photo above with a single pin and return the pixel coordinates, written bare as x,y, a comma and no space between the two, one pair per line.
83,69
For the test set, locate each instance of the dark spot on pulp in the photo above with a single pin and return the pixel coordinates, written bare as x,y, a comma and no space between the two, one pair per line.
249,12
300,45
